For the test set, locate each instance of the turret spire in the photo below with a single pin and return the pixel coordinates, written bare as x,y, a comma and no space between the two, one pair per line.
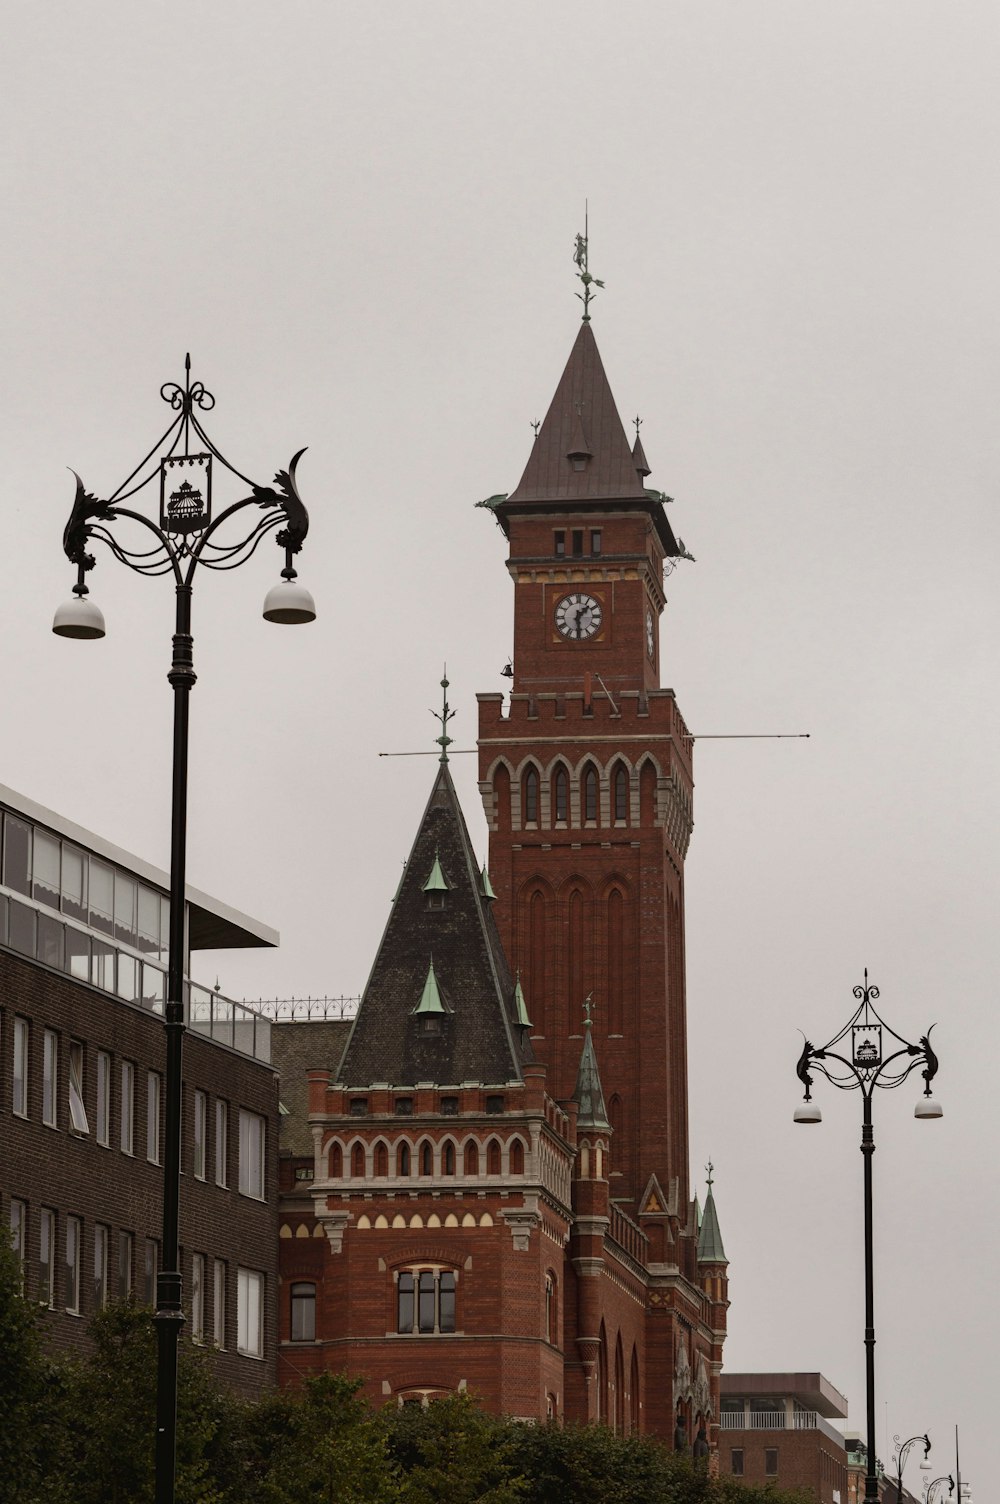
580,257
589,1094
710,1249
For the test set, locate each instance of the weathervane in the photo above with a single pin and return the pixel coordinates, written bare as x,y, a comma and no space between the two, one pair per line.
709,1169
444,715
588,1005
580,257
638,424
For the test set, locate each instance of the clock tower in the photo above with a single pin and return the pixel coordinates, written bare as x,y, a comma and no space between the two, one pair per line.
586,779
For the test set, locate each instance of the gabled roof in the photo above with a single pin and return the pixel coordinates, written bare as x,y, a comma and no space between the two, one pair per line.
589,1093
475,1036
582,419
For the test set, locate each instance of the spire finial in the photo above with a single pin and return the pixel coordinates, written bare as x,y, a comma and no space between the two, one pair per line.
588,1005
580,257
638,424
536,424
708,1171
444,715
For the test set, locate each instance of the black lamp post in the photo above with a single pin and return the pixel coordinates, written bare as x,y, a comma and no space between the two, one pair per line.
934,1487
863,1068
184,536
902,1452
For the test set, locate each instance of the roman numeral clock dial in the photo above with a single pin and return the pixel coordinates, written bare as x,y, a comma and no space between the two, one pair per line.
578,616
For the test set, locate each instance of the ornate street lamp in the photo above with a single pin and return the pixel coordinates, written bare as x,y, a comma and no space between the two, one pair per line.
935,1487
902,1452
865,1067
184,536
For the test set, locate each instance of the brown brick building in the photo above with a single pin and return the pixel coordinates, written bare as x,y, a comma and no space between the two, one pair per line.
83,941
499,1169
779,1428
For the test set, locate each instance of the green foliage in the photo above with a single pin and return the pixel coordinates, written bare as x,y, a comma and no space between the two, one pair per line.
454,1453
320,1445
24,1379
591,1465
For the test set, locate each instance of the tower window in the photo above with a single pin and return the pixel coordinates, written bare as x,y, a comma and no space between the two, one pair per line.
426,1158
425,1301
448,1158
471,1159
578,540
494,1105
595,540
531,797
560,790
359,1107
449,1107
559,544
358,1162
303,1313
590,794
621,794
404,1107
403,1160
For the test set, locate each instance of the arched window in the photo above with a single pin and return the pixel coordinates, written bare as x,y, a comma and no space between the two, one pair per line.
302,1325
590,792
517,1157
621,793
358,1162
619,1410
529,797
602,1377
403,1160
426,1158
448,1158
501,797
471,1159
560,794
633,1394
493,1157
647,793
616,962
381,1159
336,1162
551,1314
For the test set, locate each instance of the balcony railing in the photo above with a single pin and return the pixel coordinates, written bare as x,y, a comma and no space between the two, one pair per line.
767,1420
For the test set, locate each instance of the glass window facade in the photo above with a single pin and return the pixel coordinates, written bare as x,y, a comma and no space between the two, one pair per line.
249,1313
102,1238
77,1111
251,1155
127,1107
103,1126
153,1117
303,1313
19,1098
200,1134
219,1303
50,1072
198,1297
46,1257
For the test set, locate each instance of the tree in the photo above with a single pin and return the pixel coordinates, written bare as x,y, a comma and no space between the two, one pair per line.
453,1452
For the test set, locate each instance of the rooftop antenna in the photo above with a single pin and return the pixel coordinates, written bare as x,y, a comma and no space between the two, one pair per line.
580,257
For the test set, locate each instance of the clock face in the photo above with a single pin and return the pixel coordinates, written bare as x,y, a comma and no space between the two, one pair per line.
650,634
579,616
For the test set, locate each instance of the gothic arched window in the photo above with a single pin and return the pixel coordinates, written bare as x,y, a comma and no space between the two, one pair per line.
493,1157
560,794
336,1162
529,797
381,1159
590,793
471,1159
426,1158
403,1160
358,1162
448,1158
621,793
517,1157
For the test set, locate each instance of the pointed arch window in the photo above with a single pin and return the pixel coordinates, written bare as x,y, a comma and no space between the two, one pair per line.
336,1162
381,1159
590,792
472,1159
426,1158
403,1160
560,794
529,797
448,1158
493,1157
358,1162
621,793
517,1157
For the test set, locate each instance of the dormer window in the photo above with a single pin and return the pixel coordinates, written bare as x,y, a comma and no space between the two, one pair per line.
436,886
435,900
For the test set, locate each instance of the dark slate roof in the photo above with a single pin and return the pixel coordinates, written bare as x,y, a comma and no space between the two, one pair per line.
589,1093
582,418
710,1249
298,1047
476,1038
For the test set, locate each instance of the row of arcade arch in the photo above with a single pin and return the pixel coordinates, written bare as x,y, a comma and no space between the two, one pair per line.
560,794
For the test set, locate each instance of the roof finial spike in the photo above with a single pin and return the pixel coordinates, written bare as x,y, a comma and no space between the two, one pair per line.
708,1171
588,1005
444,715
535,425
580,257
638,424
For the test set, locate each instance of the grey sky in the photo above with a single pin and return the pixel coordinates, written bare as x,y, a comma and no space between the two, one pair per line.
360,221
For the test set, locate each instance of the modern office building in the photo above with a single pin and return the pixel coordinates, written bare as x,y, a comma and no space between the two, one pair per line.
779,1428
83,951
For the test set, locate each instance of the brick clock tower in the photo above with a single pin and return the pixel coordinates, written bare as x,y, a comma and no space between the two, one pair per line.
587,787
497,1196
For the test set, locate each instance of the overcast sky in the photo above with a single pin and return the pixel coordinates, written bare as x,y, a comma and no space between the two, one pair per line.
359,218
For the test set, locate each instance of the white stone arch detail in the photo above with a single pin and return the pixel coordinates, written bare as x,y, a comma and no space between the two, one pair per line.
505,1153
471,1138
487,789
334,1141
349,1158
403,1138
647,757
449,1138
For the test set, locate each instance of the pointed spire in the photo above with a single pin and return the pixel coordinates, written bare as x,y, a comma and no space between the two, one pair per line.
444,715
520,1006
437,882
582,420
485,885
430,998
638,453
710,1249
580,258
589,1094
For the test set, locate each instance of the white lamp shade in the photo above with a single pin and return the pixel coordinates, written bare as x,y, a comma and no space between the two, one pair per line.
926,1465
289,603
928,1108
78,617
808,1113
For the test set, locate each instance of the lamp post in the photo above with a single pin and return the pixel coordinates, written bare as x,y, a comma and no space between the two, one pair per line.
872,1061
936,1485
184,536
902,1452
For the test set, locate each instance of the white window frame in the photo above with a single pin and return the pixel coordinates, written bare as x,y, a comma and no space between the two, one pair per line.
253,1141
221,1142
153,1093
102,1240
126,1136
102,1127
200,1137
78,1120
197,1297
50,1078
47,1267
126,1256
219,1304
22,1044
249,1313
19,1233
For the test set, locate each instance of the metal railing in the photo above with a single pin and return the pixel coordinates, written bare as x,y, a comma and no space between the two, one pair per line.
767,1420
